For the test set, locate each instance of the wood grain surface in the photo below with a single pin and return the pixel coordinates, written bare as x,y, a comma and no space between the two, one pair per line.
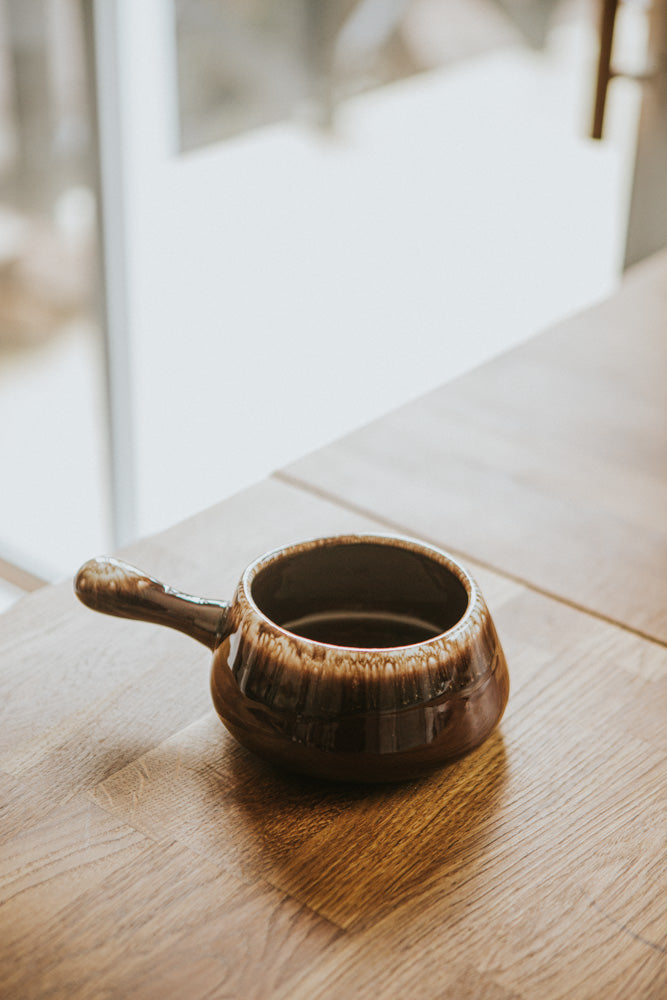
548,463
144,854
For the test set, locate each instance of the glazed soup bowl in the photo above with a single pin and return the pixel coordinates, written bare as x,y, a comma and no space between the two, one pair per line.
357,657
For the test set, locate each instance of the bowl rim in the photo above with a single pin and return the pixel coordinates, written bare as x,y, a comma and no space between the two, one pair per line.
462,625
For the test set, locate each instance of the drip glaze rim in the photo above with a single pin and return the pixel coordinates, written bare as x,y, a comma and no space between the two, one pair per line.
432,552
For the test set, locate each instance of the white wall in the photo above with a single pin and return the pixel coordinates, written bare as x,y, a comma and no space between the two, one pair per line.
287,286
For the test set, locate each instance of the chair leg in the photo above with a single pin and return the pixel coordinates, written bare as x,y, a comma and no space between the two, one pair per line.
607,22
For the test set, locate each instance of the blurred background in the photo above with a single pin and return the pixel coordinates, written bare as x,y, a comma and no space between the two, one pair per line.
232,230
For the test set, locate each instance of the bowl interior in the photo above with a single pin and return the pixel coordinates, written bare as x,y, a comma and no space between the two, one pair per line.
365,594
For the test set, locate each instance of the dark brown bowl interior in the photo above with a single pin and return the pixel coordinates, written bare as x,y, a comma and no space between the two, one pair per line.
361,595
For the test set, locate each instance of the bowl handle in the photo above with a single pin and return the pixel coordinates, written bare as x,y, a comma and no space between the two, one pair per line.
116,588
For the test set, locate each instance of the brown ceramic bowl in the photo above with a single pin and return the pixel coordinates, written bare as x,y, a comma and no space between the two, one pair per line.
359,658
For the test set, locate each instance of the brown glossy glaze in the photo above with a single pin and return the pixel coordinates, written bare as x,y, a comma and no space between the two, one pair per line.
116,588
360,714
383,707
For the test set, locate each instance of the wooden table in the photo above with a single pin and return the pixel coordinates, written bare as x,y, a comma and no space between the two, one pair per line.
144,854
